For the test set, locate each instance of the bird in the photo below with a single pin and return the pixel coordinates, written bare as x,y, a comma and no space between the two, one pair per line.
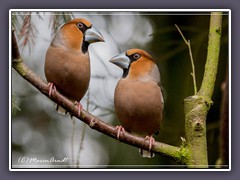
67,61
138,97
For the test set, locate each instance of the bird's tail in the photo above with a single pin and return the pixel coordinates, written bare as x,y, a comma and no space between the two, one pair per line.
145,153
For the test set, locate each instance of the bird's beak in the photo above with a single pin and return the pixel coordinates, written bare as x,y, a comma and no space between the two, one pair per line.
93,35
121,61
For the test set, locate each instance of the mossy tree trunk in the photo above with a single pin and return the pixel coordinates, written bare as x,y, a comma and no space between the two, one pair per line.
197,106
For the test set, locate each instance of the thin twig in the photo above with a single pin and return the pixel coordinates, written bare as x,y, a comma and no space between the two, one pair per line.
83,130
187,42
72,138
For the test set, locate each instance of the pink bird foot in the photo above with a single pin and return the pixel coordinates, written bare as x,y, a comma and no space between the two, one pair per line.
80,108
52,89
151,141
120,129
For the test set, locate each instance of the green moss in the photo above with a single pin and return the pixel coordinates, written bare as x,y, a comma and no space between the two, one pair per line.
17,65
183,155
15,104
218,30
207,101
195,153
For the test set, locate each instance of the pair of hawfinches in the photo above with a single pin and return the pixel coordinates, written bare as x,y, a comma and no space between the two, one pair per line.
138,97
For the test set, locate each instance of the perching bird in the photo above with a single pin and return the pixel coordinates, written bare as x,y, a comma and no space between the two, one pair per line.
138,96
67,63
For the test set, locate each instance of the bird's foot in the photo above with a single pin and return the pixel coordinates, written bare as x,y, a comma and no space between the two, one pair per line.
151,141
52,89
79,106
120,129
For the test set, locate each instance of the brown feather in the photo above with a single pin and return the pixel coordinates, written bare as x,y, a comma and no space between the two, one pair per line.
138,106
138,97
66,66
69,72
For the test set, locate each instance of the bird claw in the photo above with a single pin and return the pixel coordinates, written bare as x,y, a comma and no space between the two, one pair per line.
79,106
120,129
52,89
151,141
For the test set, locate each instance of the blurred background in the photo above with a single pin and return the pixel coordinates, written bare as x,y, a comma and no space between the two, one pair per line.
38,131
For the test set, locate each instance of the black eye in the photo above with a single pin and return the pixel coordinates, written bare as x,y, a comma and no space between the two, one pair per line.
80,25
136,56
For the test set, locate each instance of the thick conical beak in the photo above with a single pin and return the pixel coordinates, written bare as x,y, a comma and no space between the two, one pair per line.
121,61
92,35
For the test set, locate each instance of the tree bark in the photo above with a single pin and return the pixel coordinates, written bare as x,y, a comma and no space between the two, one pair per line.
197,106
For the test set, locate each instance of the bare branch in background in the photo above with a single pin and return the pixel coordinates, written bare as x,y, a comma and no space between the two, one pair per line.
224,125
187,42
83,132
72,139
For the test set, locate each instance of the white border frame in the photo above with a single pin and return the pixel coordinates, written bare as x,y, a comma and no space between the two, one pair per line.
115,10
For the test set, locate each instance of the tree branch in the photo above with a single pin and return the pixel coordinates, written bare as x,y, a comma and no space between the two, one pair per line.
176,153
15,50
191,58
211,66
224,124
197,106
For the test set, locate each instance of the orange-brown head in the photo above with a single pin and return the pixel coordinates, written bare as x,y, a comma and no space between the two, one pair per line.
137,64
77,34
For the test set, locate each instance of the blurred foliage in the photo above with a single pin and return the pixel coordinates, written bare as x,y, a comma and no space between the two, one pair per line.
22,22
39,125
58,19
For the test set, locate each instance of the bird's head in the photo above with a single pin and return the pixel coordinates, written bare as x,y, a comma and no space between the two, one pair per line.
79,33
137,63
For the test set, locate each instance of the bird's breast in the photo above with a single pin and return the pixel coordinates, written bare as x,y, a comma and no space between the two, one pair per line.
138,106
69,71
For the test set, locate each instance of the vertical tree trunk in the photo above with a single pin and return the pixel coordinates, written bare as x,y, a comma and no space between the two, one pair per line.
197,106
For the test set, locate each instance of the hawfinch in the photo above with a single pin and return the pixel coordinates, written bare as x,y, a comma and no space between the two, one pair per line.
67,63
138,96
